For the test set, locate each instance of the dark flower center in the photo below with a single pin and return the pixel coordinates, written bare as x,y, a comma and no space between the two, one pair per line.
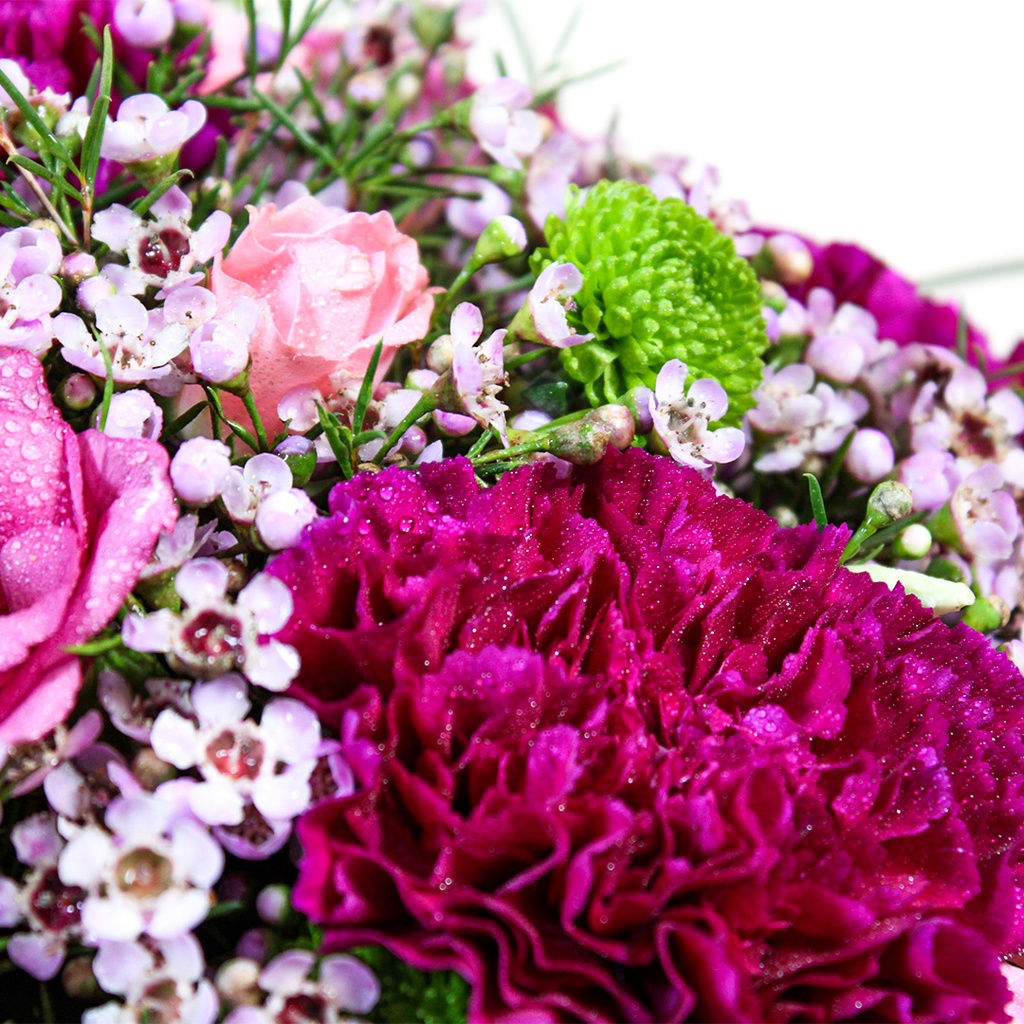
237,757
55,905
161,253
143,873
302,1009
379,45
212,637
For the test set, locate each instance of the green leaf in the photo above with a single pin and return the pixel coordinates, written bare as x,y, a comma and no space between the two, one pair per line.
817,502
97,119
366,390
142,206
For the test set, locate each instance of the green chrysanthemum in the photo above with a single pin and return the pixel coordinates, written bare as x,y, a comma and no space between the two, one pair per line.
660,282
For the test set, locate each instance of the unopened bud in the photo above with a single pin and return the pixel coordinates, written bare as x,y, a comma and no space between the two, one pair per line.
791,260
502,239
78,979
439,355
987,614
914,542
78,392
585,441
273,904
150,770
237,982
889,502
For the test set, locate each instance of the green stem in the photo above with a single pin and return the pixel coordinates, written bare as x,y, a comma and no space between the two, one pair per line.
426,404
537,443
250,407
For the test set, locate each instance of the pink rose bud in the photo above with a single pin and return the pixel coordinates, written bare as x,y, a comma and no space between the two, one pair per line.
199,470
347,280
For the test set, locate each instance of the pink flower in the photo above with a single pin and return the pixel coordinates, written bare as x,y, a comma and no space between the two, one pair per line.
627,750
79,516
330,285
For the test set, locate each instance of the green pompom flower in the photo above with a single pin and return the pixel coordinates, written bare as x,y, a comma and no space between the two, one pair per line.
660,282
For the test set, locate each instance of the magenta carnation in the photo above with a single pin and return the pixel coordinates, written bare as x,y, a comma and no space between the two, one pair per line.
630,751
854,275
47,41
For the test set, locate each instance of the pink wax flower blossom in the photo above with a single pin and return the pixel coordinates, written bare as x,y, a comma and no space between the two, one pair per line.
146,129
679,754
343,984
159,981
503,124
51,909
681,420
164,251
268,764
330,285
79,516
478,369
148,872
214,635
543,316
29,291
903,315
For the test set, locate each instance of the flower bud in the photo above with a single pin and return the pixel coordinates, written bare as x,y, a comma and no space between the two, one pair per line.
237,982
273,904
502,239
78,392
584,441
199,470
790,260
987,614
914,542
870,456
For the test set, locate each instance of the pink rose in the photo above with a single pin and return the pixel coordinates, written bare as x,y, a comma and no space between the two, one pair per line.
79,516
330,285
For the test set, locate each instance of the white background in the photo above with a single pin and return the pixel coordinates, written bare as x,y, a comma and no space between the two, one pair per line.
897,125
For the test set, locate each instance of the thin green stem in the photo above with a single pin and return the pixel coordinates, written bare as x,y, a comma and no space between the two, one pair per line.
257,422
427,403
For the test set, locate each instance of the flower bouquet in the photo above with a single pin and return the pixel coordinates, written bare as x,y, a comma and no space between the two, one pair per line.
451,571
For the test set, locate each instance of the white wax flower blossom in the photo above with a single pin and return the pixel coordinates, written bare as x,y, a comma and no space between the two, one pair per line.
268,764
161,247
149,872
681,420
214,636
146,129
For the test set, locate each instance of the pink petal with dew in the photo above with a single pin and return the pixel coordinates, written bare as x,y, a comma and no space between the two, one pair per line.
221,702
294,727
38,955
350,983
286,972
